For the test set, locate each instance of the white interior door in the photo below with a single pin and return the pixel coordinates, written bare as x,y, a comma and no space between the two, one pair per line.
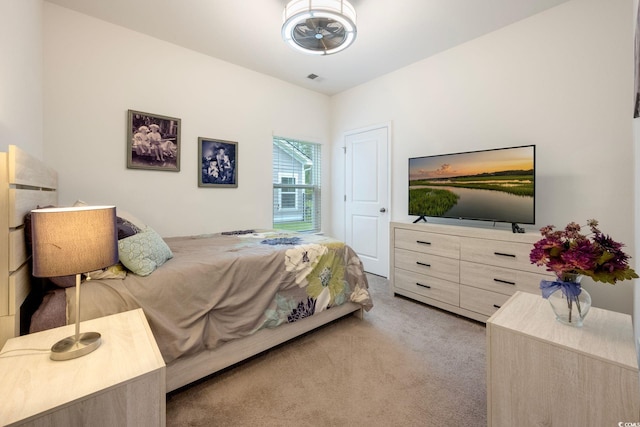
367,197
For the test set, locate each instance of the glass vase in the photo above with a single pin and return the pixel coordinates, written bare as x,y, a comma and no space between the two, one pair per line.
570,309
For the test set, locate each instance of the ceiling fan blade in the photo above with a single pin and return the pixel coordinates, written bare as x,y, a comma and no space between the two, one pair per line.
300,33
334,29
319,34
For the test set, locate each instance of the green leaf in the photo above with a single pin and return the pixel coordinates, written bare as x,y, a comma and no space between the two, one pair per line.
612,278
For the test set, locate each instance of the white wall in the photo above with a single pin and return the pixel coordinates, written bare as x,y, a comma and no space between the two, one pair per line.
561,80
21,75
96,71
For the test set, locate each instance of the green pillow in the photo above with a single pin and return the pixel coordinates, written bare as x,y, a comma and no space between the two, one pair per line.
142,253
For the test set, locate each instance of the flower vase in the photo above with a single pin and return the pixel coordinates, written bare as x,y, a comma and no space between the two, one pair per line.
569,301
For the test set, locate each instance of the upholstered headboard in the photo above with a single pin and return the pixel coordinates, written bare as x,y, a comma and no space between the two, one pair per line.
25,184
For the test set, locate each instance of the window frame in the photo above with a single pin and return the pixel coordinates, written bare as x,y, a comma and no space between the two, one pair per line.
307,173
293,186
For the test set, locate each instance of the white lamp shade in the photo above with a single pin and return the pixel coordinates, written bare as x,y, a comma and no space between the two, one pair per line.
74,240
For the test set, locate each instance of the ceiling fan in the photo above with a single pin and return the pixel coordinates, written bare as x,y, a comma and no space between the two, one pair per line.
320,27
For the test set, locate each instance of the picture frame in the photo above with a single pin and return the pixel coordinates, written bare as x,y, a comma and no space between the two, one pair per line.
218,163
153,141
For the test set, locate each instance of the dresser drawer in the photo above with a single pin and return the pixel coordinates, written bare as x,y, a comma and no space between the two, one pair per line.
432,265
480,300
499,279
428,243
498,253
427,286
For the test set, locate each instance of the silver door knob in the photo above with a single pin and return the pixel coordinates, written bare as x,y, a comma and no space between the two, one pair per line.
383,210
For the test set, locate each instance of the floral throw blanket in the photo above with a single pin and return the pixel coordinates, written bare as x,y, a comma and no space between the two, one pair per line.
326,274
225,286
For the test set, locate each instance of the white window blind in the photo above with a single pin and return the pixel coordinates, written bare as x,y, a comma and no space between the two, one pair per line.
296,185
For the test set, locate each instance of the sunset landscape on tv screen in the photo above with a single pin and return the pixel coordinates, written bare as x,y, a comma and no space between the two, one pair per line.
492,185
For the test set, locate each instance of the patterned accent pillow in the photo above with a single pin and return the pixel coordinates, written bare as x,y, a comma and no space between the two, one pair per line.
142,253
126,228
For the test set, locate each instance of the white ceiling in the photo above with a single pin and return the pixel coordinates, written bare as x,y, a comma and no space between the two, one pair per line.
391,33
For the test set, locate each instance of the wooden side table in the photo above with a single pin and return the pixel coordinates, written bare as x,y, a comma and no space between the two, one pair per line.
122,383
541,372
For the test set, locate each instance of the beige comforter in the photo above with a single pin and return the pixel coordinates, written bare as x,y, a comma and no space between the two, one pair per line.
218,288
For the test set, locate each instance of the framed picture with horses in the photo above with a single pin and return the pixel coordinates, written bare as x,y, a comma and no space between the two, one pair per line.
153,141
219,163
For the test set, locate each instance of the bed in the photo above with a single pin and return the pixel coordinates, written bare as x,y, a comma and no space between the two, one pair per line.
214,300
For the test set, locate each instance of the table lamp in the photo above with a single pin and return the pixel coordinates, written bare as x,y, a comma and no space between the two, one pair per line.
70,241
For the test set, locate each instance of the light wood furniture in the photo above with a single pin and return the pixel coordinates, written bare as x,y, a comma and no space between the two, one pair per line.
543,373
466,270
122,383
25,183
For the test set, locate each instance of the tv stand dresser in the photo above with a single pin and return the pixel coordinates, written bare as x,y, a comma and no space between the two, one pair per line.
465,270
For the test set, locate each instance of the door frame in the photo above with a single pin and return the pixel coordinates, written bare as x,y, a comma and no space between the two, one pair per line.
389,127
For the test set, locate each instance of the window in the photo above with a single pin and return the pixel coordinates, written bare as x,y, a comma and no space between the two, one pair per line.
288,194
296,185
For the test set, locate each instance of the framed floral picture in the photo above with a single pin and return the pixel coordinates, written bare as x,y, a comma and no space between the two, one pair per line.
153,141
218,163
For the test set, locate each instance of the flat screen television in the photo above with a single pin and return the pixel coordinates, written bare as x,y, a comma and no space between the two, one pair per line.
490,185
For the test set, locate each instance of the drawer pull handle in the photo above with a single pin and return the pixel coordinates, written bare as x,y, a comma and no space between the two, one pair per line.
496,305
424,286
423,264
422,242
504,281
503,254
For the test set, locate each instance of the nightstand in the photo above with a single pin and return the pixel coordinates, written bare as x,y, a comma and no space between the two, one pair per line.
543,373
122,383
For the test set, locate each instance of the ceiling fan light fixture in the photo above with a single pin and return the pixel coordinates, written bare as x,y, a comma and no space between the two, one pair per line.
319,27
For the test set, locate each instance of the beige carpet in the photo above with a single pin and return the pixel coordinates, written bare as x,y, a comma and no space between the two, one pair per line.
405,364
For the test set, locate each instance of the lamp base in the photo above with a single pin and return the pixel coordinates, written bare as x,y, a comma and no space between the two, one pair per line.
70,348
